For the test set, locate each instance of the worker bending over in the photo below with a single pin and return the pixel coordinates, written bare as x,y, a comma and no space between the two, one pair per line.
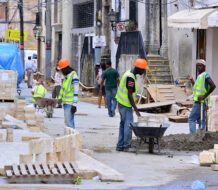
126,95
202,89
69,91
39,90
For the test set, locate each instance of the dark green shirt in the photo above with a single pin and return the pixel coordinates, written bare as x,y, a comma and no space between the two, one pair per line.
110,75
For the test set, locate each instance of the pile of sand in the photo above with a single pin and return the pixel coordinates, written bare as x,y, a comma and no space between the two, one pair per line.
190,142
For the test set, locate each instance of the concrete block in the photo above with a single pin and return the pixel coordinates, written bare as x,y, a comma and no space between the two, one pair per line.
78,141
36,146
215,155
214,167
1,136
30,117
215,146
20,102
26,138
26,158
31,123
35,129
59,144
206,158
47,145
67,131
10,138
29,110
40,158
87,152
63,156
51,157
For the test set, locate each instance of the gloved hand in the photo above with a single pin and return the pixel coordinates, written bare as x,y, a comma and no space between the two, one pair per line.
73,109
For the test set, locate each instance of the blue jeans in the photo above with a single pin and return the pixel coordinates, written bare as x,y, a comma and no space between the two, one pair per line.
125,131
111,100
68,116
195,115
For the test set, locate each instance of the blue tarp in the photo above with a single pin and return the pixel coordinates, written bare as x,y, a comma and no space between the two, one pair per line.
10,59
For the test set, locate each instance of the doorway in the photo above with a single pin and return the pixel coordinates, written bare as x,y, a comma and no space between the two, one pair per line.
201,44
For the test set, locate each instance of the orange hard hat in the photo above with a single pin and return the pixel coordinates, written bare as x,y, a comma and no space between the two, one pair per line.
141,63
63,63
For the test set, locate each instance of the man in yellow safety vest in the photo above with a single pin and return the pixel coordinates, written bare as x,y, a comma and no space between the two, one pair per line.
39,91
69,91
202,89
126,95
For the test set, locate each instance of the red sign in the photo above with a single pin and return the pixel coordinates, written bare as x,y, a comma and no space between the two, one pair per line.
120,27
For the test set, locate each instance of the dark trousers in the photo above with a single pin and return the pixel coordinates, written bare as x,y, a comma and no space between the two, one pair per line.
55,93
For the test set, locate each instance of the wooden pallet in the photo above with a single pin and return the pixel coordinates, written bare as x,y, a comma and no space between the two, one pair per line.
66,171
6,100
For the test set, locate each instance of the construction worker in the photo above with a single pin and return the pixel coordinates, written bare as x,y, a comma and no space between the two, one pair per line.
202,89
39,91
30,68
69,91
126,96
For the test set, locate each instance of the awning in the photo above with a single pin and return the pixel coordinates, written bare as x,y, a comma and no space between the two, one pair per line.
191,18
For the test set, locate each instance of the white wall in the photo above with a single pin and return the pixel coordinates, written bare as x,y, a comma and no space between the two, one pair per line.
212,55
179,46
141,19
67,28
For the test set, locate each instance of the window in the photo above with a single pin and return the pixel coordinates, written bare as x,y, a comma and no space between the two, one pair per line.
83,15
3,11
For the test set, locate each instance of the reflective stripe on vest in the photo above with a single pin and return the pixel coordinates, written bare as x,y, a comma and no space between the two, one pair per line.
199,88
67,90
39,91
122,92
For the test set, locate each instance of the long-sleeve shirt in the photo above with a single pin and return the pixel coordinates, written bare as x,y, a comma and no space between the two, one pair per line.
29,64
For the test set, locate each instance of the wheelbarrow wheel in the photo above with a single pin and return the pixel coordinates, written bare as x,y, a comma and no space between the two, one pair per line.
49,111
151,145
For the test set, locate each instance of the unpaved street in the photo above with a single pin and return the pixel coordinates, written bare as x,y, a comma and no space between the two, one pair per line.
99,133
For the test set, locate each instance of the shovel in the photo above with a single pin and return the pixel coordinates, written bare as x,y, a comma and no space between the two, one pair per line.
202,111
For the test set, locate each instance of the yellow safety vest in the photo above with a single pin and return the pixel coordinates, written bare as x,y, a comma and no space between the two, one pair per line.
122,92
39,91
199,88
67,90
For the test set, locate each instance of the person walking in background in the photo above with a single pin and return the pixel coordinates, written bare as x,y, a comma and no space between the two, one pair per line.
112,81
126,95
58,79
202,89
98,80
30,68
69,91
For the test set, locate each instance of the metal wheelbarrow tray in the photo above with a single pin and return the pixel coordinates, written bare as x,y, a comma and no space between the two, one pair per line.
47,105
150,135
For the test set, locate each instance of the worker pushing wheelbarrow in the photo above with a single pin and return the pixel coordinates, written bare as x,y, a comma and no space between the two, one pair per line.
46,104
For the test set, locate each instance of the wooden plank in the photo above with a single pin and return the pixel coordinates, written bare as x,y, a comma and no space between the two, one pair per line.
8,173
68,168
179,119
75,167
154,105
60,168
38,169
53,169
16,170
31,170
23,169
45,168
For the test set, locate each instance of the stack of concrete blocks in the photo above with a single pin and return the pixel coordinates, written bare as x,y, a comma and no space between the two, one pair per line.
210,158
213,114
31,119
39,118
8,84
10,135
19,108
59,149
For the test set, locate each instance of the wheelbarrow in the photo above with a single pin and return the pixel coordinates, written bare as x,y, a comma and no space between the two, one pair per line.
46,105
148,134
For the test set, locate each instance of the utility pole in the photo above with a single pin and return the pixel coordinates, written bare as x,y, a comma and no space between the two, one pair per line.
48,40
20,6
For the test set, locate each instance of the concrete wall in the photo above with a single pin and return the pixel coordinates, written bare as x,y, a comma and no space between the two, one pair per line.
180,47
67,17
